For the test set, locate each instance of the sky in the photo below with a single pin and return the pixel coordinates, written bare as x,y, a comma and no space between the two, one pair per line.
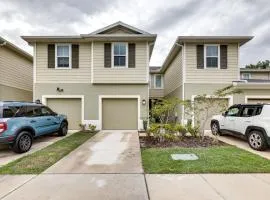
166,18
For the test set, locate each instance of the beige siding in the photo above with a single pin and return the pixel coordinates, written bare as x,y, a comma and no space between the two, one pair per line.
156,93
194,75
173,75
258,75
15,70
120,75
80,75
14,94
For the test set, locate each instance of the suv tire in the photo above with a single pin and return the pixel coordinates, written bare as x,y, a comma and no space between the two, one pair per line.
23,142
257,141
63,129
215,128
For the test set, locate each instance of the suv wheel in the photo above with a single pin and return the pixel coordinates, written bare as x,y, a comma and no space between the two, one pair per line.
23,142
63,129
215,128
257,140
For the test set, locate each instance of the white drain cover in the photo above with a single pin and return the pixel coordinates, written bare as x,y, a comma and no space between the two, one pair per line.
189,156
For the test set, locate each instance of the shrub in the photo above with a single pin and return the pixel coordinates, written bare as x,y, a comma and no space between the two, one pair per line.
194,131
92,128
169,128
82,127
182,130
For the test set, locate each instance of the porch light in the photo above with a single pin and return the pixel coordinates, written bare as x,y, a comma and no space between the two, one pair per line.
143,102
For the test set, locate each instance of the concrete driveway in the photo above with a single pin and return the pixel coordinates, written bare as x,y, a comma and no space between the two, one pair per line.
106,152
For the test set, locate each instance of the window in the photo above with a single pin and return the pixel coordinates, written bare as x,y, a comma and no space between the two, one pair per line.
45,111
233,111
119,54
63,56
251,111
158,81
212,56
9,111
246,76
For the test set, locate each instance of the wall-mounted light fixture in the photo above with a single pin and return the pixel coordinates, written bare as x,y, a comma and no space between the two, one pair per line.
143,102
58,89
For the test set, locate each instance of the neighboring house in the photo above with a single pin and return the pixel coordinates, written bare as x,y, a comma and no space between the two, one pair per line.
199,65
99,78
16,73
255,75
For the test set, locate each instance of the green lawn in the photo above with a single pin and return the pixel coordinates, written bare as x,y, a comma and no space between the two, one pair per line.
39,161
224,159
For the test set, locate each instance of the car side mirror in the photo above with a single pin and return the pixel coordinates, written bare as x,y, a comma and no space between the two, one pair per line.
224,114
54,114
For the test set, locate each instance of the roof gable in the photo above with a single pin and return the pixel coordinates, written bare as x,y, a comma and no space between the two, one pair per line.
119,28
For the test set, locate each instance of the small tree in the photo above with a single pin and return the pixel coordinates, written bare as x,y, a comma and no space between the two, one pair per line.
165,110
204,106
260,65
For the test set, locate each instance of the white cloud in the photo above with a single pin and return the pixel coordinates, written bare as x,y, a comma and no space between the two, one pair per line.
168,19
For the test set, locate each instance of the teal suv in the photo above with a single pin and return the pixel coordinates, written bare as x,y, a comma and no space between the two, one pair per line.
21,122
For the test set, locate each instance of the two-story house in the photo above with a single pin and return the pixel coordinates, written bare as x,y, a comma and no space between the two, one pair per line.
16,72
99,78
199,65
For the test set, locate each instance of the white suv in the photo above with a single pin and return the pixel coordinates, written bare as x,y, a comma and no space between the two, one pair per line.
249,121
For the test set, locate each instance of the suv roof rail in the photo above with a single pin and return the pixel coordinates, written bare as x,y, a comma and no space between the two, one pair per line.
10,101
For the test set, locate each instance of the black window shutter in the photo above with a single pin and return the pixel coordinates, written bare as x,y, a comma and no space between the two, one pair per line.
131,55
107,55
223,56
51,56
75,56
200,56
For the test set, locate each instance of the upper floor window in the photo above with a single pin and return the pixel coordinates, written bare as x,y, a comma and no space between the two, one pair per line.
212,56
63,56
246,75
119,55
158,81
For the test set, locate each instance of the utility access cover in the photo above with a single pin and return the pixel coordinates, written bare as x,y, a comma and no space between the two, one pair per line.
189,156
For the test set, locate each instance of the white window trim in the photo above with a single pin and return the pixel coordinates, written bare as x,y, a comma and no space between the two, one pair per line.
70,56
112,50
249,75
205,47
162,86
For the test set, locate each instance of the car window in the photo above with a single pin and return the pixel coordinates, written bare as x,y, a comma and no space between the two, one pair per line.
9,111
233,111
250,111
46,111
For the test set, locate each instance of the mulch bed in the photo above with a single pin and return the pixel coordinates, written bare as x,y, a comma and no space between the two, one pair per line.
186,141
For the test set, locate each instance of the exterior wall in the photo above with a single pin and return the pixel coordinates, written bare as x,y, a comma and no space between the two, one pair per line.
120,75
91,96
11,93
173,75
194,75
258,75
80,75
15,70
156,93
177,93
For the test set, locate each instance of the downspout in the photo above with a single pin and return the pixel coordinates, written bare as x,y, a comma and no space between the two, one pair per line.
183,81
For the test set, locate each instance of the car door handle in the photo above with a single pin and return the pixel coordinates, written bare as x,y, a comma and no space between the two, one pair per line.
49,119
33,121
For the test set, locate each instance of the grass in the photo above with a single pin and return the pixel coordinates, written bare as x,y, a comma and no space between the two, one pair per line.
224,159
39,161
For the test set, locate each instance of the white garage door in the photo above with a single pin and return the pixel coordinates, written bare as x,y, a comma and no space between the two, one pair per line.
69,107
258,100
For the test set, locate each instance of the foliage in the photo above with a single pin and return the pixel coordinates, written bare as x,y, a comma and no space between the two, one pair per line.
82,127
182,130
204,107
193,130
92,128
165,110
145,123
260,65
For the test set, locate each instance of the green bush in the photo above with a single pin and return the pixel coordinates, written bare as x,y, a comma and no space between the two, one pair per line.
194,131
92,128
169,128
181,129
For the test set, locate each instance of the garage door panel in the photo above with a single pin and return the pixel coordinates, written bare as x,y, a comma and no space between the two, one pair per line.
120,114
258,101
69,107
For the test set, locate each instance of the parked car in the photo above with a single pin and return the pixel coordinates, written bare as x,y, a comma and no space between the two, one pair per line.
21,122
248,121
